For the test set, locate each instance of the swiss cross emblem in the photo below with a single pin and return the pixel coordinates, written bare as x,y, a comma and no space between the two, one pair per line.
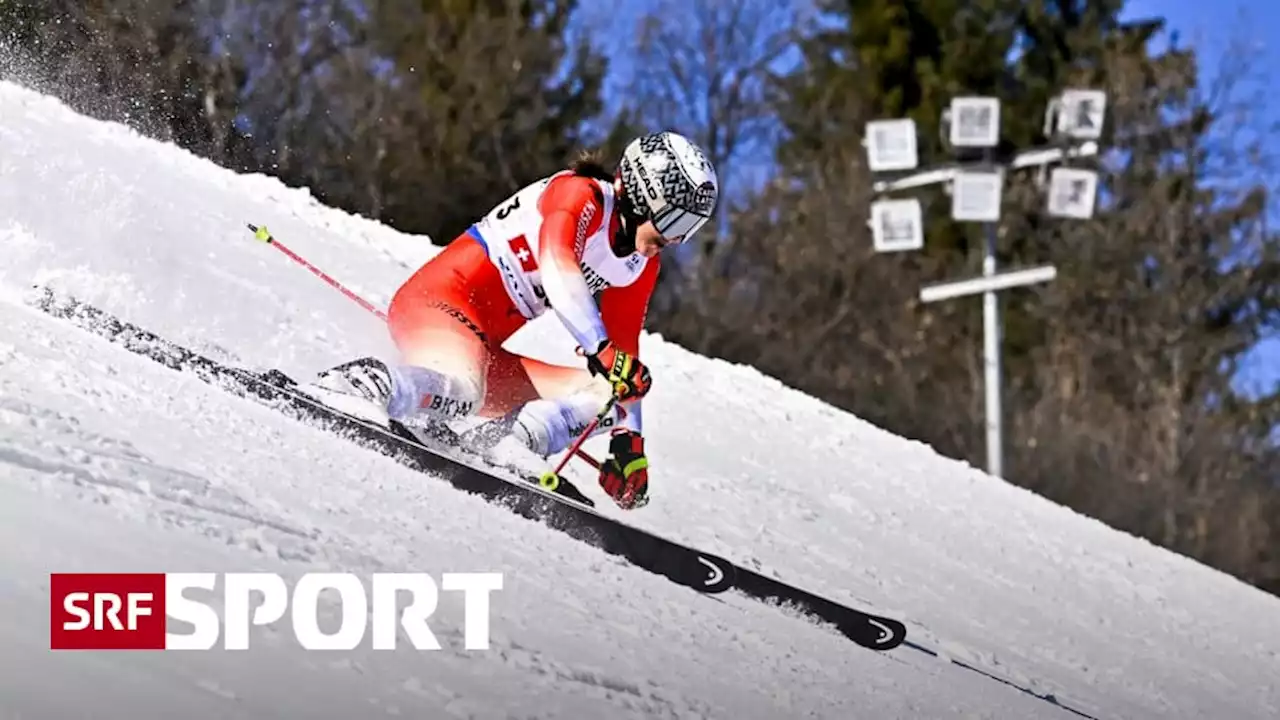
520,248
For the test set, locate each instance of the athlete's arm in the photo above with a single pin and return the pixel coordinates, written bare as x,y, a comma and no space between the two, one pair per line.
624,310
572,209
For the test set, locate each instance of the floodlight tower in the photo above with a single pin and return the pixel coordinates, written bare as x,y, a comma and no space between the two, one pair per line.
971,129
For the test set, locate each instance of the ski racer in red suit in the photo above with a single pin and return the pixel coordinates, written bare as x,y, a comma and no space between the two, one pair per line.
554,246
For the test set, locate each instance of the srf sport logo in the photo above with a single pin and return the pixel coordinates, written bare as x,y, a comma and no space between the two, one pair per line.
131,611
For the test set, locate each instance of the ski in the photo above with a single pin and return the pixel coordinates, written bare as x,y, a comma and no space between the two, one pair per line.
522,495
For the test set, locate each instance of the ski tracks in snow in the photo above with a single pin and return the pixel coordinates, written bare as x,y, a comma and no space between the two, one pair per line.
53,446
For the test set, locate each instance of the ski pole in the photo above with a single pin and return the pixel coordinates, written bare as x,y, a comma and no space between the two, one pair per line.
264,235
587,458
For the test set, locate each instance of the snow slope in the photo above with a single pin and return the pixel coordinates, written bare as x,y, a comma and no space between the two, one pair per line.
109,462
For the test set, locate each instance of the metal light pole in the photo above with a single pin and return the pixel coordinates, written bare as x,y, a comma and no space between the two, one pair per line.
973,122
992,334
991,337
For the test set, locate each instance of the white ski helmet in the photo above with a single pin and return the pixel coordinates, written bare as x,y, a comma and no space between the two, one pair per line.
669,180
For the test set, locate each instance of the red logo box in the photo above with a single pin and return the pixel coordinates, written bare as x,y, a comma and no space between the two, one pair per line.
106,611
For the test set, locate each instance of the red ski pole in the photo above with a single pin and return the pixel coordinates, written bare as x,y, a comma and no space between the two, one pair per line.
264,235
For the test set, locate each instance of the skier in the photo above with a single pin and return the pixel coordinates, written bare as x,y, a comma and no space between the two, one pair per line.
555,245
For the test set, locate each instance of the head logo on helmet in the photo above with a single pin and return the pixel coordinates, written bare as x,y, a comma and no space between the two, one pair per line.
669,180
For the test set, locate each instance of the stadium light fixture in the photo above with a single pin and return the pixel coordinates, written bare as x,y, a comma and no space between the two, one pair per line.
1080,114
976,196
891,145
1072,193
974,122
897,225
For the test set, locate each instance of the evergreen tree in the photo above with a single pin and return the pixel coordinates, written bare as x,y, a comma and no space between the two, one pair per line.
497,96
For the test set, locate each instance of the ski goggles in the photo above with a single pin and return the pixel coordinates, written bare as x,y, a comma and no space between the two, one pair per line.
677,225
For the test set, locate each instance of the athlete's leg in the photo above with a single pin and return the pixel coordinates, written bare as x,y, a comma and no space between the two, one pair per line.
443,321
447,321
442,363
514,380
545,406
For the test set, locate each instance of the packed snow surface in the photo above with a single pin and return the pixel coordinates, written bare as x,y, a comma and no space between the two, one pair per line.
109,463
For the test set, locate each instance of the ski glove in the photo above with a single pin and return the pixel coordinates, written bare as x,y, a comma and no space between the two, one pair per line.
625,474
628,376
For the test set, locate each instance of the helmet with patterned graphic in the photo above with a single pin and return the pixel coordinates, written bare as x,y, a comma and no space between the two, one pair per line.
668,179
